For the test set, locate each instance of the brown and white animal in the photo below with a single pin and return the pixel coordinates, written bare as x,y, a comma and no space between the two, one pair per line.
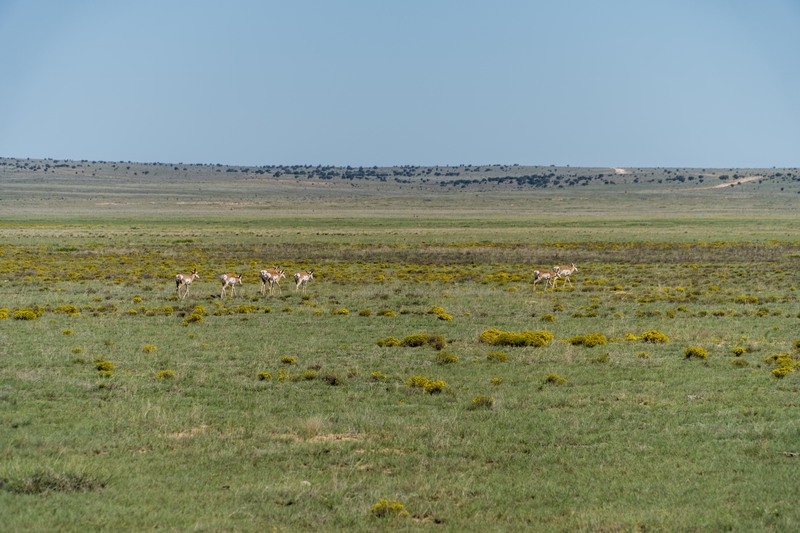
302,278
544,275
564,273
271,277
230,280
184,280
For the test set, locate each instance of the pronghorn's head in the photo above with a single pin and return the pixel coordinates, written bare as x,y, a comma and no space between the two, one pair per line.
310,274
194,273
281,274
574,268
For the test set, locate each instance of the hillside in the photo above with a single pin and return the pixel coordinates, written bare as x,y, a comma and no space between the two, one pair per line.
41,187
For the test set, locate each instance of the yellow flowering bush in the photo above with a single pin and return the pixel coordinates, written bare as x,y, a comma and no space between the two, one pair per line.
481,401
388,341
103,365
25,314
695,351
554,379
590,340
654,336
388,508
446,358
497,356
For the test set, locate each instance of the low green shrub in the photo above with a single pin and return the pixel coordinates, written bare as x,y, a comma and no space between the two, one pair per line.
421,339
496,337
590,340
446,358
497,356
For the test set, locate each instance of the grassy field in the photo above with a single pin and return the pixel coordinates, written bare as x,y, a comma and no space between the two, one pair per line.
421,381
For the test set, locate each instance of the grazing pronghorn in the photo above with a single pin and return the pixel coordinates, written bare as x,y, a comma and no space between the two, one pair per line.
564,273
273,277
301,278
546,276
184,280
230,280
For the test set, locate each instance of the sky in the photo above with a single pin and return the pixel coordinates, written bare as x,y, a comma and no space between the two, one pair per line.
682,83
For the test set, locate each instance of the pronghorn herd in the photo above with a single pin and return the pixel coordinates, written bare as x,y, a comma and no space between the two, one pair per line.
271,278
551,277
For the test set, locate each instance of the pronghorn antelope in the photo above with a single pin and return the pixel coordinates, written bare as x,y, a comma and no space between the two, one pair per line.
273,277
301,278
184,280
544,275
564,273
230,280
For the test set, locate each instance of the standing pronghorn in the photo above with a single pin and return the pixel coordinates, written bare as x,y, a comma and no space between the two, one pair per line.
184,280
544,275
301,278
230,280
564,272
273,277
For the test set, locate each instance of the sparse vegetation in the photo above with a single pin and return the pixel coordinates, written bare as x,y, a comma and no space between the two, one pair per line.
368,417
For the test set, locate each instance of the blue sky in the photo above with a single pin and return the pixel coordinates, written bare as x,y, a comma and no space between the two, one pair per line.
694,83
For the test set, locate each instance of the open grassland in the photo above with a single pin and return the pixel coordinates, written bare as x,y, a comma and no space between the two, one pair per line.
421,381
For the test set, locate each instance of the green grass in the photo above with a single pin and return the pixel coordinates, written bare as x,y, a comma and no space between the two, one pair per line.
637,436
